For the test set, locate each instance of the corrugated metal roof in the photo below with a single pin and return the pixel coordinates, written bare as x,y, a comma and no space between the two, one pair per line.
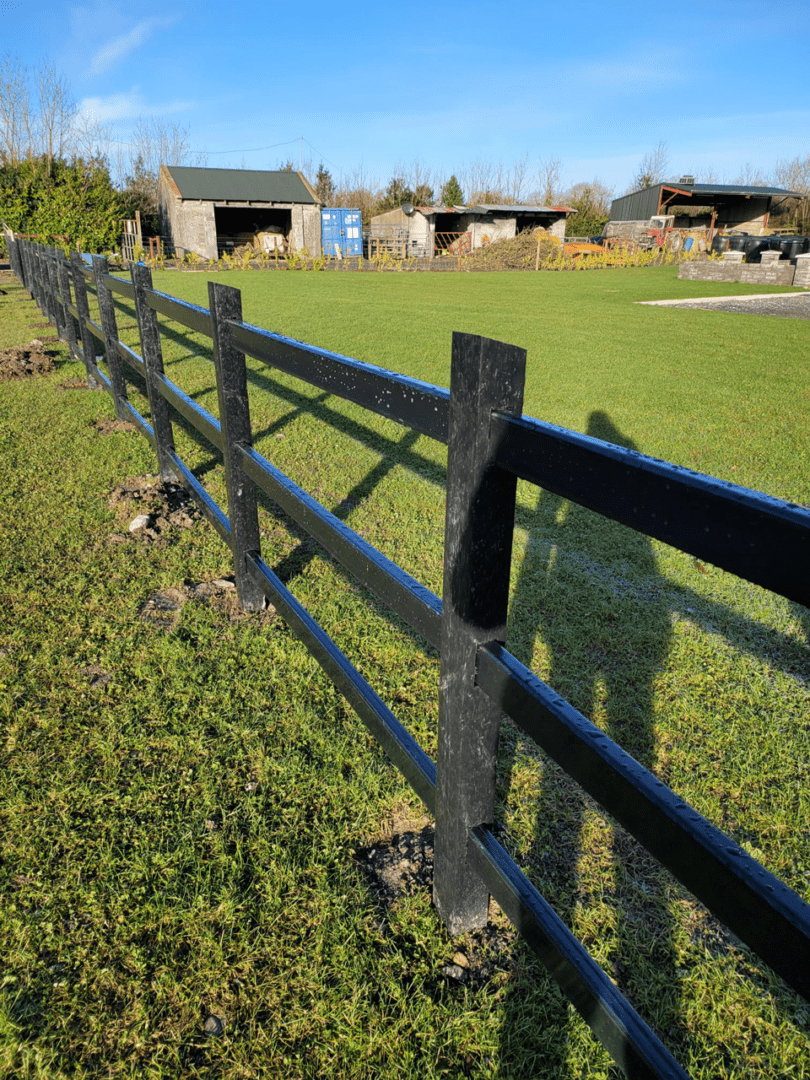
488,208
734,189
519,209
240,185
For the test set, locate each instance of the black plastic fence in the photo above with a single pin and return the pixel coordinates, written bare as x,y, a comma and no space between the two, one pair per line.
490,445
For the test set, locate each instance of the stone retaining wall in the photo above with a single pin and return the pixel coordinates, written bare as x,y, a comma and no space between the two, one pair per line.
771,271
710,271
802,275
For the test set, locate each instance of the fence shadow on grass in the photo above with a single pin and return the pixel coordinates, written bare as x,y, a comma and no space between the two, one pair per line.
601,647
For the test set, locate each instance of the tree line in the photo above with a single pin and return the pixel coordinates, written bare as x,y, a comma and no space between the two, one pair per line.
66,178
485,182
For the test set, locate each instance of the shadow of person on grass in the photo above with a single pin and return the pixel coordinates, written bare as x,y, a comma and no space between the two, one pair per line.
589,616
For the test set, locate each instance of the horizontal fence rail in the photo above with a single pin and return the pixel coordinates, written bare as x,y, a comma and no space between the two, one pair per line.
490,445
410,402
757,537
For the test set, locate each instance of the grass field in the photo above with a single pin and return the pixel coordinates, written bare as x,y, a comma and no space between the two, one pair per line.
181,837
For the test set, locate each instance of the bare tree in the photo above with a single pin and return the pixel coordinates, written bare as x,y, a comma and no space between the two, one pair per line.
709,175
652,168
15,111
153,143
794,175
91,139
751,175
162,142
514,181
550,177
482,182
358,190
56,113
422,181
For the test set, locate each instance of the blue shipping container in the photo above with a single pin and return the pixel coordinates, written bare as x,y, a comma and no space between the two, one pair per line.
341,231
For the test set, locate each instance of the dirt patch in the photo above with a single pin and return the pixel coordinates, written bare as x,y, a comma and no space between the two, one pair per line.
162,609
75,383
151,509
24,361
105,425
403,866
44,325
96,676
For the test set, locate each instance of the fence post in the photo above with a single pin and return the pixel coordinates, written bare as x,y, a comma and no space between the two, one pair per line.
83,308
13,253
64,289
22,254
152,354
42,297
110,328
485,376
28,274
54,301
234,416
20,268
36,275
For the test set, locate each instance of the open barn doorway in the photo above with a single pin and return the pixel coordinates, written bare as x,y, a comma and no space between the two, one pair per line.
256,226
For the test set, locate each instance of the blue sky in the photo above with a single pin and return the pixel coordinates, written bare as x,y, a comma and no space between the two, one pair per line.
594,85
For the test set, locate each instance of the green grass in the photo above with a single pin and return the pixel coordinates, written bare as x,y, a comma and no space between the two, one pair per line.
127,919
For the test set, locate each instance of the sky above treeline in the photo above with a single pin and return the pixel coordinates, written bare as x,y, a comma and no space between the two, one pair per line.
360,85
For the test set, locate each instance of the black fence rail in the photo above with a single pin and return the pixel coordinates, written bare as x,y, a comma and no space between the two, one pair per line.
490,445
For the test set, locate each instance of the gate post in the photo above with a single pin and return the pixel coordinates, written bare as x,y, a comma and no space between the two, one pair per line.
110,327
152,354
485,376
83,308
234,416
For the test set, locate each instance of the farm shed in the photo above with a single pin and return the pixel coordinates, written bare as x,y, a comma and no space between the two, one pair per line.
716,206
421,230
214,210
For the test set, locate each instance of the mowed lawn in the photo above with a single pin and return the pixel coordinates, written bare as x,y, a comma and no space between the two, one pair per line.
179,838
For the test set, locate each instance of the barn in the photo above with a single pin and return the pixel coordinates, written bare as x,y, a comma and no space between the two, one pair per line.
743,207
426,231
211,211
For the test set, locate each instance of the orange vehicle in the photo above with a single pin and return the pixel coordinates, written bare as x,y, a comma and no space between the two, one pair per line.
582,248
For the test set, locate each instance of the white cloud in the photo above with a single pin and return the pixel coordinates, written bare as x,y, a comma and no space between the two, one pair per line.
661,66
121,46
126,106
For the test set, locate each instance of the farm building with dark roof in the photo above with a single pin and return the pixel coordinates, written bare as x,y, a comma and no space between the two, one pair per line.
426,231
211,211
719,206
